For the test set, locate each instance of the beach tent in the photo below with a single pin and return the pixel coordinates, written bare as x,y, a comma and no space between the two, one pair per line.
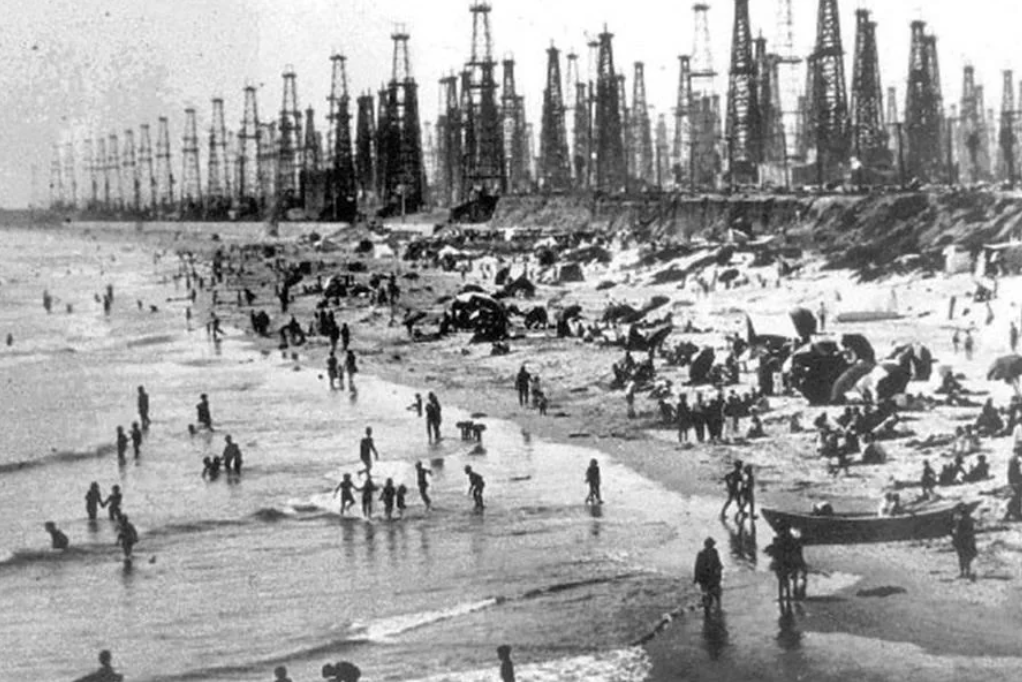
814,369
770,328
858,344
570,272
886,380
849,380
701,366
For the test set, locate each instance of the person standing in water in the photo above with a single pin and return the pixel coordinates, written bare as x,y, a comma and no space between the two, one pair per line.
113,503
136,439
345,487
332,370
57,538
351,368
963,539
593,480
507,666
421,473
388,496
708,574
402,491
367,449
106,671
232,456
475,487
202,414
93,500
127,536
733,483
143,408
122,445
368,489
345,336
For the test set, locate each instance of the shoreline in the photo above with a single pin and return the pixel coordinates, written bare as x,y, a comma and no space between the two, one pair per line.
949,616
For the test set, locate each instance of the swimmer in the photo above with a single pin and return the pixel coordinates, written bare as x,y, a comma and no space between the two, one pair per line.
402,491
507,667
232,456
127,536
280,674
347,497
211,468
113,503
202,412
331,370
143,407
475,487
105,673
367,490
416,405
367,450
387,497
93,500
57,538
421,473
136,439
122,444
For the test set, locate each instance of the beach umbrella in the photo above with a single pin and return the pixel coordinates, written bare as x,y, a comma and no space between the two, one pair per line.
848,380
570,313
1007,369
701,366
815,368
804,321
858,344
887,380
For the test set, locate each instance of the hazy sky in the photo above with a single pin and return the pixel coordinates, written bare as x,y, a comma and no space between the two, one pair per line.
81,67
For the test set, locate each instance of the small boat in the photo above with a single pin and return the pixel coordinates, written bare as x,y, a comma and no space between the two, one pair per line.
849,529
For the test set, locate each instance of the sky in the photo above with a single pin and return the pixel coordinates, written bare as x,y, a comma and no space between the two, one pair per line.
73,69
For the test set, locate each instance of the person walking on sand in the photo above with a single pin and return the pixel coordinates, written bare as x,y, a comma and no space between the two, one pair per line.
1013,337
143,408
136,439
507,667
1014,510
345,487
709,574
822,314
733,484
106,671
57,538
963,539
331,370
93,500
522,384
367,450
683,417
433,418
416,405
747,503
421,474
345,337
122,445
475,487
956,341
969,344
593,481
351,368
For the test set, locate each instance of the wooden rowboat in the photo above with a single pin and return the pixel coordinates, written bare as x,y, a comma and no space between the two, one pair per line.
848,529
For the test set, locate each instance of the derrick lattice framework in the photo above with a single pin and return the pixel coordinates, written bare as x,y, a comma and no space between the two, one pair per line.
870,144
555,166
164,171
828,102
91,168
289,141
113,163
103,173
58,195
681,151
788,87
893,123
146,170
70,176
642,131
768,94
448,132
129,166
365,146
973,137
744,123
581,148
611,168
513,134
218,188
484,148
342,188
924,151
704,109
1006,138
249,167
191,179
403,185
662,145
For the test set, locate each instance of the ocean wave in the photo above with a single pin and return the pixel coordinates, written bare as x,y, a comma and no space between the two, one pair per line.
574,585
384,629
264,515
32,557
154,340
621,665
57,457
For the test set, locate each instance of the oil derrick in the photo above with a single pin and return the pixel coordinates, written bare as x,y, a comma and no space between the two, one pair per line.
113,161
663,152
514,152
382,130
191,179
58,197
704,112
681,152
342,192
484,156
768,95
310,180
92,169
311,152
787,90
218,192
164,184
973,138
744,123
626,131
642,131
365,147
611,164
893,124
288,148
133,189
146,170
829,104
70,176
581,153
249,182
103,174
554,164
1007,140
400,136
269,156
923,148
449,160
869,135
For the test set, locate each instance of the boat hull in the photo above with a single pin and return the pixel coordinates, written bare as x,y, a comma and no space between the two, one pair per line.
853,529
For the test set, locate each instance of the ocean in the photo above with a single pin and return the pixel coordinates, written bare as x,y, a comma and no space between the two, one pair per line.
234,577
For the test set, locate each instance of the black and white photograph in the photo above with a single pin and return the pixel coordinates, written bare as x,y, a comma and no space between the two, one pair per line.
510,340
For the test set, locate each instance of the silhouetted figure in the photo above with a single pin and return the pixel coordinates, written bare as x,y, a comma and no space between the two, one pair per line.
106,671
709,572
507,666
143,407
57,538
